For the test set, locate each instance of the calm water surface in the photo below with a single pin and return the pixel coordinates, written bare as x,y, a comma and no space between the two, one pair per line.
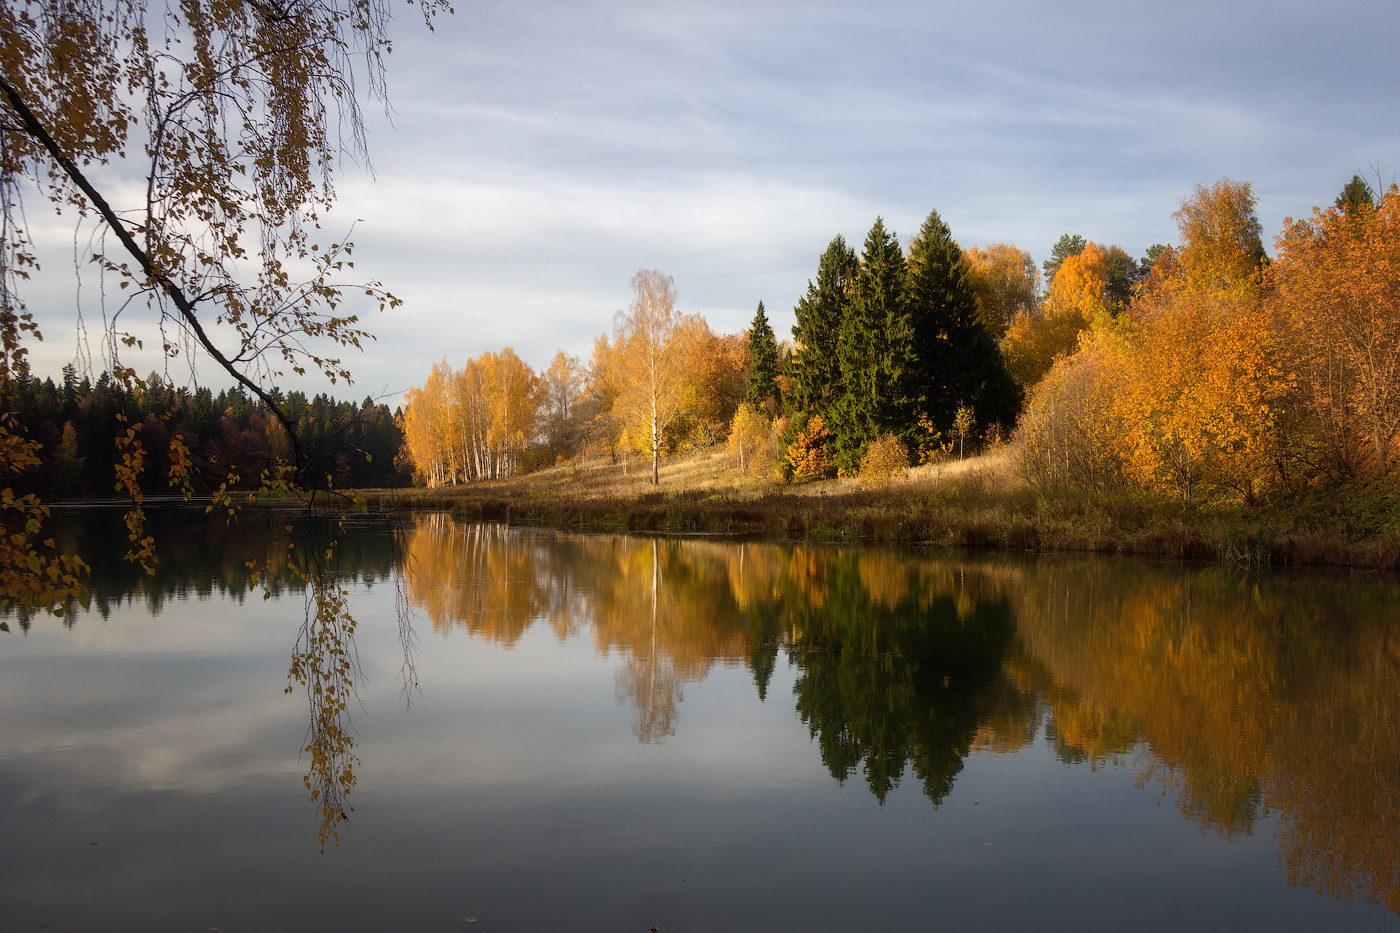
609,733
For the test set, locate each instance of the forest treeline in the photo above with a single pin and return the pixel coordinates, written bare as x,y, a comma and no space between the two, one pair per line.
230,438
1203,370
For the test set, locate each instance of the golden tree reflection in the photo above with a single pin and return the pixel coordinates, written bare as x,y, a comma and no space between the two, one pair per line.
1238,696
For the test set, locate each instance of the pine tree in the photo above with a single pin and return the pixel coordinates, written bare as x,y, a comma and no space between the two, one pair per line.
818,329
763,361
875,353
1069,244
1355,194
958,361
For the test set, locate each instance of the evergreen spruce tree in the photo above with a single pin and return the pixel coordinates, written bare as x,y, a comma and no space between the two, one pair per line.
1355,194
763,361
958,361
875,353
816,373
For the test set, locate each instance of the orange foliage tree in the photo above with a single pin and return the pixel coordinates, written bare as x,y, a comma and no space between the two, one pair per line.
1077,293
1007,283
1337,283
473,423
1206,383
809,455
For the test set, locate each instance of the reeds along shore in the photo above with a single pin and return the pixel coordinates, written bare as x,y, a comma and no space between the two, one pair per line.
977,503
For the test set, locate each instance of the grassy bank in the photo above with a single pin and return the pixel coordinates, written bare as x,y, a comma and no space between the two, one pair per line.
976,503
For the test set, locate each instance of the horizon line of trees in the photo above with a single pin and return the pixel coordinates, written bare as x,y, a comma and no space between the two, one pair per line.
230,436
1201,368
930,345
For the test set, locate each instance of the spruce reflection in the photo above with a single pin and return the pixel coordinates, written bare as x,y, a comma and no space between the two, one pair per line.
893,671
1241,698
1249,701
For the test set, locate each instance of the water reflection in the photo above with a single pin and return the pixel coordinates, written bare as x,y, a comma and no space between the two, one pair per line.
1238,696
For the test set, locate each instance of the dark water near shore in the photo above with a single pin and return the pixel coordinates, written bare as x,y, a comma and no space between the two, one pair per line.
609,733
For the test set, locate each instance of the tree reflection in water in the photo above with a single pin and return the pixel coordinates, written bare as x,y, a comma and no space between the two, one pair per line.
1241,696
275,550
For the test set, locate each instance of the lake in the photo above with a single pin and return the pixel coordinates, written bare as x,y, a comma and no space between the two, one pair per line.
553,731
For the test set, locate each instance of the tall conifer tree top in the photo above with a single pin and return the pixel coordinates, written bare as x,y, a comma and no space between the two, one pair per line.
818,329
875,352
1356,194
763,361
958,361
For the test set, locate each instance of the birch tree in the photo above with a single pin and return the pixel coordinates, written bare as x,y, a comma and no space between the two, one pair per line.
650,335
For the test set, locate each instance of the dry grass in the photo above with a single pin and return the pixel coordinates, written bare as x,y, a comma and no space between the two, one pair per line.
978,502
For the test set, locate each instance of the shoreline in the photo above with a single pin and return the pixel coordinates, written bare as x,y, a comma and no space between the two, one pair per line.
953,513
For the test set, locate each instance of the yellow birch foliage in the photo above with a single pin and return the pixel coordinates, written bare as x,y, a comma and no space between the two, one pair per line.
749,438
1204,392
1220,235
1007,282
1071,435
1077,294
1337,280
885,461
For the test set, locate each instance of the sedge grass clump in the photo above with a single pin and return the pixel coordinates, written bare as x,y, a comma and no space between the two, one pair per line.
885,461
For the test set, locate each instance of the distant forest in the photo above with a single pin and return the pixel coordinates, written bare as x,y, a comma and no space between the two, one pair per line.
229,436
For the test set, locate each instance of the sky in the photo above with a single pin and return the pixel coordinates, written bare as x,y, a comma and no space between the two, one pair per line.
540,153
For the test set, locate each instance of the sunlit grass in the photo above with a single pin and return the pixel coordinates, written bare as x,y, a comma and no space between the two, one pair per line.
977,502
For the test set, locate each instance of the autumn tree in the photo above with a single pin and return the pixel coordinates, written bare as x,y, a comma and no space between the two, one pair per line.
1338,286
561,390
885,461
715,384
1077,293
1007,284
426,428
475,422
1205,386
748,437
511,402
809,455
1220,235
1070,438
650,336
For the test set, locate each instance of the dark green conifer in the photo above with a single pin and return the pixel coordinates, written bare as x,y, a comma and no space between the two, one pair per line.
1355,194
816,373
875,353
958,360
763,361
1069,244
1149,259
